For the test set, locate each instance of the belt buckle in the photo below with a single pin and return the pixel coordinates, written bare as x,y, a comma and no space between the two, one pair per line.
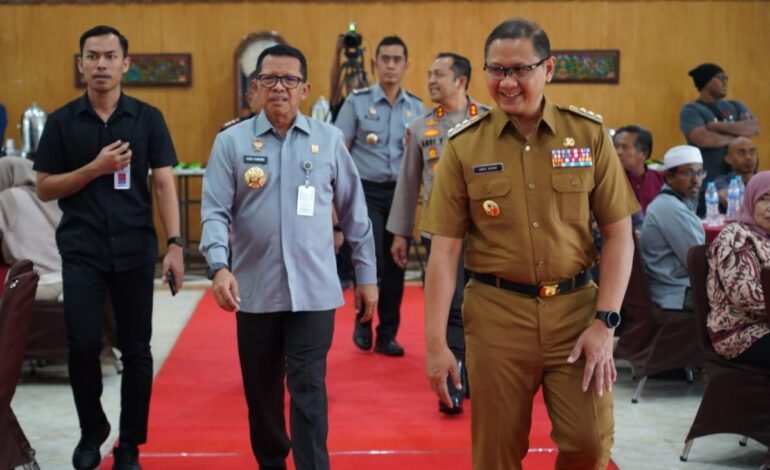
549,290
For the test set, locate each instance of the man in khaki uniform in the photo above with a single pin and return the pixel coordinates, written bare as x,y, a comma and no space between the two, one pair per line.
448,79
521,182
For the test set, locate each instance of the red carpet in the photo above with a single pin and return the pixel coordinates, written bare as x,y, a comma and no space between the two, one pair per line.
383,415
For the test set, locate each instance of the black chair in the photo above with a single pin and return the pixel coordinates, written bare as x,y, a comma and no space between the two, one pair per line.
737,396
15,314
653,340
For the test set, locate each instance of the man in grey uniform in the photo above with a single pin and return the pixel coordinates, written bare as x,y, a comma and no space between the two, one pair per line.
374,122
274,179
448,80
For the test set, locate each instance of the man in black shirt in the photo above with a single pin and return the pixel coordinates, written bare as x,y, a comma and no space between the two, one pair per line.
94,156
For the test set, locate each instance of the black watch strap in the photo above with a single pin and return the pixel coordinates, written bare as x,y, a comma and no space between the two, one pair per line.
610,318
175,241
211,271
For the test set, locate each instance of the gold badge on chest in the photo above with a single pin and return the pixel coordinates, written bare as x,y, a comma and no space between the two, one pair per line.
255,177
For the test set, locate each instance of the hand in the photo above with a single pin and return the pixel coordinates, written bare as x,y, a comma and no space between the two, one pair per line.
339,239
174,261
399,249
112,158
596,343
366,294
439,365
225,289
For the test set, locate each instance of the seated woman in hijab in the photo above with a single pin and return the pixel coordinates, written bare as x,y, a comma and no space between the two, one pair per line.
737,323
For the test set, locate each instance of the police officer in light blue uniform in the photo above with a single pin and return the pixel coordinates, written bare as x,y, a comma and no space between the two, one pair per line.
271,182
374,121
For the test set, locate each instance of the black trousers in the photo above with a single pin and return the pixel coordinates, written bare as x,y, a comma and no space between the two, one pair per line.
291,345
455,332
379,198
85,291
758,354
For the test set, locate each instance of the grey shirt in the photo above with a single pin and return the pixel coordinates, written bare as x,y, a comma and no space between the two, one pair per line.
375,130
424,141
670,229
284,261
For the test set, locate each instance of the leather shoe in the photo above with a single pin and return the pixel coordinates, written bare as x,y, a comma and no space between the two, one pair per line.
391,348
362,334
126,457
87,455
455,396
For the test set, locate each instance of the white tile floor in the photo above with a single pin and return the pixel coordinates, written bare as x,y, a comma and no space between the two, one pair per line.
649,435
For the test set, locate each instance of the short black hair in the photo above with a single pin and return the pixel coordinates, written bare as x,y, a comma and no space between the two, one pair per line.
102,30
283,50
461,66
519,28
392,41
643,137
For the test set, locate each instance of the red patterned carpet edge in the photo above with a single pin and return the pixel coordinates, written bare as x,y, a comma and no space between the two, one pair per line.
382,414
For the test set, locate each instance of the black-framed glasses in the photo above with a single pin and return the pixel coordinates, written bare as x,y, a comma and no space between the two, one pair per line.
288,81
690,173
518,71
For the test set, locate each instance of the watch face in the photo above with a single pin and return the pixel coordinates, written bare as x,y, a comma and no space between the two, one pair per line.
613,319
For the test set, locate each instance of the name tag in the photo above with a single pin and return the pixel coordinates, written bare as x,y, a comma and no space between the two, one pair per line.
254,159
570,158
306,200
491,168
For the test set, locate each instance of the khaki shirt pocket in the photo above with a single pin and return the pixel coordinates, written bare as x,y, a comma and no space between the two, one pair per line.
491,188
571,195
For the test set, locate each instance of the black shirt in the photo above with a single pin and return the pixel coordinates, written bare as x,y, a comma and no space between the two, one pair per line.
107,228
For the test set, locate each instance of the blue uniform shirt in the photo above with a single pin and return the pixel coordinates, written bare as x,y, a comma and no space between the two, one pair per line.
284,261
375,130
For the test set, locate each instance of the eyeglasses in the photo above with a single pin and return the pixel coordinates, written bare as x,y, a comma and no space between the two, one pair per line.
288,81
518,71
690,173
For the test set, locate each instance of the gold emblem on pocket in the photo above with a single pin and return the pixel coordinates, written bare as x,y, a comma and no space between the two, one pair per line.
255,177
371,138
491,208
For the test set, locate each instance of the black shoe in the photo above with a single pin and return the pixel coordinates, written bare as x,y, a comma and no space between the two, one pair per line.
87,455
362,334
126,457
455,396
391,348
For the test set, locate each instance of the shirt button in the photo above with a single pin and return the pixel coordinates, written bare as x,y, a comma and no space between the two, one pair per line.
531,185
536,224
573,181
526,149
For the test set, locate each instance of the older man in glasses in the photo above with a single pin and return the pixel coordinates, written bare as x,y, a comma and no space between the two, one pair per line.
671,227
274,180
517,187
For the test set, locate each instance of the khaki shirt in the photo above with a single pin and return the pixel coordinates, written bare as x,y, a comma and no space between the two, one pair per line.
542,232
425,139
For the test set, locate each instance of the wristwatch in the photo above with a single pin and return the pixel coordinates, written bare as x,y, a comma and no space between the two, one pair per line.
337,227
175,241
212,270
609,317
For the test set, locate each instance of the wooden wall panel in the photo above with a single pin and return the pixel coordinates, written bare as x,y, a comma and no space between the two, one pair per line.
659,42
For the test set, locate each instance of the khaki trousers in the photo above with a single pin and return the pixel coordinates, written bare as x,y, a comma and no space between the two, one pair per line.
516,344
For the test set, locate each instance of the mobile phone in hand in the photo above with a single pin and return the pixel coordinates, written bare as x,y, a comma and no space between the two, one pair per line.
171,282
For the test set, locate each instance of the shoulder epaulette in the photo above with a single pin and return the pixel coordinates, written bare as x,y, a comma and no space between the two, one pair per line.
362,91
230,123
584,112
413,95
468,123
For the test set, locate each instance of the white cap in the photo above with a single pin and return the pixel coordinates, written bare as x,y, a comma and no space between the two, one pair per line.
681,155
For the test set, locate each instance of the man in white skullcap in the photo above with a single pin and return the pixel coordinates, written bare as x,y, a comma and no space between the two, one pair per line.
671,227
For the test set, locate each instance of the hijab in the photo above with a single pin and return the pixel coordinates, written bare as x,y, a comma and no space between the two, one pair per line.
758,186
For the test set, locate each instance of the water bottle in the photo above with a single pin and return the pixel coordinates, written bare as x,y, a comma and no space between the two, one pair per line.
712,205
732,198
741,190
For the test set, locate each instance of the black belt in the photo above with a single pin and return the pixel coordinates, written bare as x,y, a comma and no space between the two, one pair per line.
546,289
375,184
